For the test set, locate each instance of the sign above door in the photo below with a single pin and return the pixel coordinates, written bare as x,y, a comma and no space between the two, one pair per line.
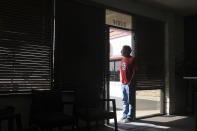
118,19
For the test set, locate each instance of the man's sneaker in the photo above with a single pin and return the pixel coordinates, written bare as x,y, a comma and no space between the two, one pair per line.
123,119
127,120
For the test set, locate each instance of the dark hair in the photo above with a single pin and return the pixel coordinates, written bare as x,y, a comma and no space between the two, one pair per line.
126,51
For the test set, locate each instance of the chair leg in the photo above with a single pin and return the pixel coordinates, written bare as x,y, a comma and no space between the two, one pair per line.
73,126
97,124
115,124
88,125
10,124
76,123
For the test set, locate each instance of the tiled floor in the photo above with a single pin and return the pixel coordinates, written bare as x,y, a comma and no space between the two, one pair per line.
158,123
168,123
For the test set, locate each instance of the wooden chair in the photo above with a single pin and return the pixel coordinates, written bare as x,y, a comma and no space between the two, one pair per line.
89,107
7,114
47,110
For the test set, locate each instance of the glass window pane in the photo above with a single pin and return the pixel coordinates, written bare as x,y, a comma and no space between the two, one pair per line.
148,102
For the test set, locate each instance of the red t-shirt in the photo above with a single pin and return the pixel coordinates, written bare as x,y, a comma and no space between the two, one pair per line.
127,67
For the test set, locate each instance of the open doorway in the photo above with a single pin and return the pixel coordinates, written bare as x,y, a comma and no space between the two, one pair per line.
120,33
118,38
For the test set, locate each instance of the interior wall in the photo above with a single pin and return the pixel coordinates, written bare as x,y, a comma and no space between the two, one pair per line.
79,46
22,102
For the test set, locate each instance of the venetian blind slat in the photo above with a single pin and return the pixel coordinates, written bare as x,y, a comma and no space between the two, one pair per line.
25,45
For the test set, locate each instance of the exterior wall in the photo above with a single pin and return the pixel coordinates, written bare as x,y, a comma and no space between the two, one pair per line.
173,42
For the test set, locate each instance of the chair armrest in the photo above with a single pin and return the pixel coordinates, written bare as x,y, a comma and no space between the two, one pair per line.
70,104
113,103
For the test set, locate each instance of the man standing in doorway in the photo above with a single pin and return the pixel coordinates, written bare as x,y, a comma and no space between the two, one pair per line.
128,69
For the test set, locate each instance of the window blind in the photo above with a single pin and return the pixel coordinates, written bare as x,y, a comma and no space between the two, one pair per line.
150,54
25,45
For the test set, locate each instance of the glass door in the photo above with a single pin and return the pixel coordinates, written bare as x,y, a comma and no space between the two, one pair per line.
150,76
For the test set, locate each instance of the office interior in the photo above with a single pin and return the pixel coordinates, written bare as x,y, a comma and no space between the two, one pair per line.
64,45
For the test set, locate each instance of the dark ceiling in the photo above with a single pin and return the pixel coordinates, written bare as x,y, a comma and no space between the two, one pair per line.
182,7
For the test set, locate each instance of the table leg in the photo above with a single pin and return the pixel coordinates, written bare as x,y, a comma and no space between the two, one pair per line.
10,124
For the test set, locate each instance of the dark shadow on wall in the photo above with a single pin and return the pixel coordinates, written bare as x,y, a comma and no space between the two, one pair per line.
79,44
190,45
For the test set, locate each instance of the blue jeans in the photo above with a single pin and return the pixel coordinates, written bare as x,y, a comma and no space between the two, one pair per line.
126,101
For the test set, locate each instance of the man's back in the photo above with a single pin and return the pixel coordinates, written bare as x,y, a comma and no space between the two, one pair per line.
127,68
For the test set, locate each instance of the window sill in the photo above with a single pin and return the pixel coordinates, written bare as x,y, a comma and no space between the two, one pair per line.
28,92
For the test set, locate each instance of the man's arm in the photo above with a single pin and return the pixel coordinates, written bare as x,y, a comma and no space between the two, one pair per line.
133,76
132,80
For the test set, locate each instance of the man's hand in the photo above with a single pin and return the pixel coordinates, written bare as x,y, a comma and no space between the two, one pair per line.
132,82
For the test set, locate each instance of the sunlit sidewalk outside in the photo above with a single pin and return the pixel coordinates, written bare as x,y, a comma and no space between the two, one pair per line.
142,99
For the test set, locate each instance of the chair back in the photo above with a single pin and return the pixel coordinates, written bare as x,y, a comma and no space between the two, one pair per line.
46,101
87,98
